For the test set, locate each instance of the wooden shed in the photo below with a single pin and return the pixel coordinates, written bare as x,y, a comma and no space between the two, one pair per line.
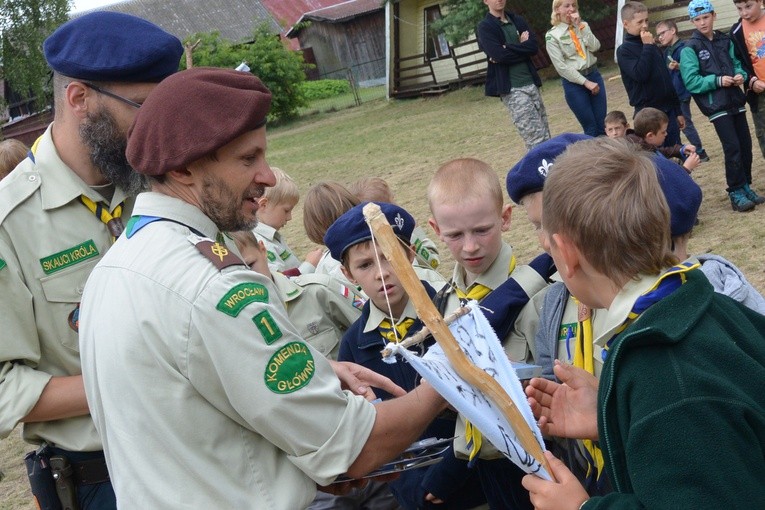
347,37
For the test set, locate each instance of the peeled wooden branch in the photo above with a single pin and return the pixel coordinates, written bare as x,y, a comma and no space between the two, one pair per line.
422,334
438,327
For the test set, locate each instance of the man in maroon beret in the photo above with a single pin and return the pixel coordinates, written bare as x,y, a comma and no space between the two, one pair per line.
203,391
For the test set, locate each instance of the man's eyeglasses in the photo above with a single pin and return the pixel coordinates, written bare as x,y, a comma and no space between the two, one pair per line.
111,94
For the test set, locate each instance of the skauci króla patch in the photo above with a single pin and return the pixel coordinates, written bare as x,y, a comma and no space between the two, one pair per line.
290,368
240,296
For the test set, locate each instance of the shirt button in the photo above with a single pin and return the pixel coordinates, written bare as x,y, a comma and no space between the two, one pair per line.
79,289
32,178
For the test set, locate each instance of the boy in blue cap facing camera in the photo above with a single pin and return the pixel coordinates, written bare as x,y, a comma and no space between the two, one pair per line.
61,211
390,316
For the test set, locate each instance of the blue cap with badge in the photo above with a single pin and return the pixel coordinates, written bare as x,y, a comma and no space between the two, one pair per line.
529,174
699,7
111,46
351,228
682,193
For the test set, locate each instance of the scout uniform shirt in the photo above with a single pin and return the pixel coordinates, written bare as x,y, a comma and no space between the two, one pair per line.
320,307
280,255
49,243
426,251
203,391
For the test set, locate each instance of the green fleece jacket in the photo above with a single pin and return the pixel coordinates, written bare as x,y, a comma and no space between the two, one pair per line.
681,406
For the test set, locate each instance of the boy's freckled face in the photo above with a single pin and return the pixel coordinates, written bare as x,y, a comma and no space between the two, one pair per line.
705,23
275,215
750,10
472,231
615,129
369,273
638,23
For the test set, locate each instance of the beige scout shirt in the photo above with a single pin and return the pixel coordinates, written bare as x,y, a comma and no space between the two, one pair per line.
49,243
563,54
280,255
203,392
425,249
320,307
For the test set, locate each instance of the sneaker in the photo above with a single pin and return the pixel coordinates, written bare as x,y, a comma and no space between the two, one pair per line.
703,155
739,201
753,196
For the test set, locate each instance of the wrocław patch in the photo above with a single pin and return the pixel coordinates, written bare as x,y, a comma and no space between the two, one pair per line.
234,301
290,368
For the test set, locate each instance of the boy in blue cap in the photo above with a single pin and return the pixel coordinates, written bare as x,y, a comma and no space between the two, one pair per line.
714,76
61,210
389,316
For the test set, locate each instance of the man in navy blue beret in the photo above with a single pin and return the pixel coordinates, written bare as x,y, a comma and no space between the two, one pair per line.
61,210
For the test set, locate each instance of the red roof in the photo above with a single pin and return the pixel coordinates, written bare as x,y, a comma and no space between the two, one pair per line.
287,12
345,10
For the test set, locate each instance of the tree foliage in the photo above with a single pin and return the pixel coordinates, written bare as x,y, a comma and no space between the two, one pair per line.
24,25
460,17
282,70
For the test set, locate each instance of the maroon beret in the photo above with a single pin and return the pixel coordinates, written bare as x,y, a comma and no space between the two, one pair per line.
193,113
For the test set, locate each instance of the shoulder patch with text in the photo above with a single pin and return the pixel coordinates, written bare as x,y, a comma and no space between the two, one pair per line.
267,327
240,296
69,257
290,368
2,264
218,254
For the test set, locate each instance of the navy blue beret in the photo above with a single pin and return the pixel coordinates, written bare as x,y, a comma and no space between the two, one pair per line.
529,174
682,193
111,46
351,228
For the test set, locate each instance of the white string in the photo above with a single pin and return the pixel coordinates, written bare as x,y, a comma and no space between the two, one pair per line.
387,301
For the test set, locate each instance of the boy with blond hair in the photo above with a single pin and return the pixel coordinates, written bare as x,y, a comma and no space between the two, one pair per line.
274,211
650,132
714,76
666,402
469,215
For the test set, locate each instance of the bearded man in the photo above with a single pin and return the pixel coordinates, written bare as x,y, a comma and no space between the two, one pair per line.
60,211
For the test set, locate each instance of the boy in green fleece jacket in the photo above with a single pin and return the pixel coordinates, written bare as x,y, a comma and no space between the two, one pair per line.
679,411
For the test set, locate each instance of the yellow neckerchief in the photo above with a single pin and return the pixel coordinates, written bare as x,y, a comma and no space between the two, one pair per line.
583,359
473,437
396,334
113,220
576,41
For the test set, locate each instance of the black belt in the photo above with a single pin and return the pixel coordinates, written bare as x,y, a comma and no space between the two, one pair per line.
588,70
88,467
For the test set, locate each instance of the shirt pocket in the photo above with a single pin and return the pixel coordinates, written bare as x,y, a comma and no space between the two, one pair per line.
63,293
568,48
325,341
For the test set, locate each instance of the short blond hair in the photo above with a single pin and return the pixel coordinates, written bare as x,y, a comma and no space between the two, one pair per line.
604,195
324,203
555,18
629,9
284,191
12,152
372,189
615,116
244,239
465,179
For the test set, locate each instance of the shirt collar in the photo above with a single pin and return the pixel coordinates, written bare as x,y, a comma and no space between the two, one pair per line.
492,277
288,289
376,316
607,321
151,203
266,231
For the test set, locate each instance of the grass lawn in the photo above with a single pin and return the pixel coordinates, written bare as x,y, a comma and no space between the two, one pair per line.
405,142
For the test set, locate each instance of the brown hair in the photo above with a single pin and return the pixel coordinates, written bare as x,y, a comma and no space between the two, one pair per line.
372,189
324,203
285,190
12,152
629,9
615,116
465,179
649,120
603,194
671,25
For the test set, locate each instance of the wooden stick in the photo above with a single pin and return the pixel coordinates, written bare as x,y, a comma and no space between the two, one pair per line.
432,319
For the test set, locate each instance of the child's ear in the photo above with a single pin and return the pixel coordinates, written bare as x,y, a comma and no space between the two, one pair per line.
348,274
410,253
262,202
434,225
569,254
507,212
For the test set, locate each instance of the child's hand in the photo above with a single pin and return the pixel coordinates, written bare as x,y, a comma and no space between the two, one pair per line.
593,87
565,494
738,80
758,86
727,81
647,37
688,148
314,256
673,65
524,36
691,162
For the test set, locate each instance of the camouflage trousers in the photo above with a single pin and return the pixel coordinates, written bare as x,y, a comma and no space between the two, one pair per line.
527,111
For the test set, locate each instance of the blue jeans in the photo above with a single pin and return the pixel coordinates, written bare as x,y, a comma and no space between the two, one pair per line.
690,130
589,110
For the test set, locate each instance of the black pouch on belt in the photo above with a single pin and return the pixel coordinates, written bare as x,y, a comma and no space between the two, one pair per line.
41,479
63,474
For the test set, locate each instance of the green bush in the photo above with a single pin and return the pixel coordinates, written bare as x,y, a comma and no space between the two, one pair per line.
323,89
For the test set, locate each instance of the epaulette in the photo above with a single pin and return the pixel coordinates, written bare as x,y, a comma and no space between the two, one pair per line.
215,252
16,188
313,279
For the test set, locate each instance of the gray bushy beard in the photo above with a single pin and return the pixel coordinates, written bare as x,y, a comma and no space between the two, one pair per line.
221,205
107,144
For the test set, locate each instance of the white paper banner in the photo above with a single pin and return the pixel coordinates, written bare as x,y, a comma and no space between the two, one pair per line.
481,346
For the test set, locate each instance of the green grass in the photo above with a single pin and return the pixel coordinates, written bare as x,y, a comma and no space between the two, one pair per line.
343,101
